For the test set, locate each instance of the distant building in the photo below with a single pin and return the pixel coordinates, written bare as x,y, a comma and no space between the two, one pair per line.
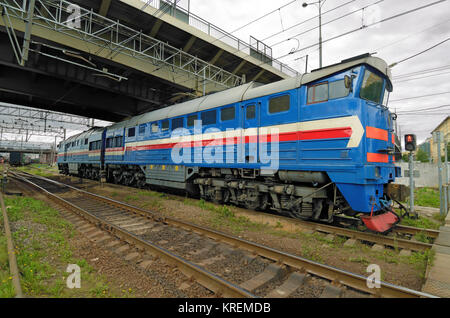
444,128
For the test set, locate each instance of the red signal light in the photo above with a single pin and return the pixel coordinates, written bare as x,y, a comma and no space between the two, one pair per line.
410,142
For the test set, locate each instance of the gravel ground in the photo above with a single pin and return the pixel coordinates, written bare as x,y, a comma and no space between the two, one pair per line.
396,270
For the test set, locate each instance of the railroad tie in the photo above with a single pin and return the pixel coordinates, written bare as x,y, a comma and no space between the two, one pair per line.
211,260
139,227
132,256
146,264
294,282
95,234
113,244
271,273
331,291
119,218
128,223
405,252
123,249
378,248
209,246
350,243
103,239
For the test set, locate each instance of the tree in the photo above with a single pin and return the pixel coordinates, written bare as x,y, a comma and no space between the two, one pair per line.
405,157
422,156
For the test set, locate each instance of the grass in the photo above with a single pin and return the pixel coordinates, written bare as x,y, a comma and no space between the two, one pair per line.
421,260
428,197
6,287
421,222
39,169
43,253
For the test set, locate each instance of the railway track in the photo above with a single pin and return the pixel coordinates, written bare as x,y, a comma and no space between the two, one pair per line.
226,265
13,268
401,238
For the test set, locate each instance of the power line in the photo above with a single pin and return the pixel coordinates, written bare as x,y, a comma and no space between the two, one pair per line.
416,97
423,71
262,17
421,114
411,35
328,22
420,53
369,25
353,31
418,78
422,110
307,20
245,25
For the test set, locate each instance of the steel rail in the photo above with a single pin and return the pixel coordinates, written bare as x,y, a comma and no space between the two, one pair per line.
207,279
403,229
393,242
13,268
333,274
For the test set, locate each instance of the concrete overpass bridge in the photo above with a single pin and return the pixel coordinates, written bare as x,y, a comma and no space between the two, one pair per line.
9,146
110,59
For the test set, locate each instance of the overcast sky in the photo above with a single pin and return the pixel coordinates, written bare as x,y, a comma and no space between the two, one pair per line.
393,41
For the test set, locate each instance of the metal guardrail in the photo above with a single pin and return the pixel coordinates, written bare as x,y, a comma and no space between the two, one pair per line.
206,27
19,146
111,36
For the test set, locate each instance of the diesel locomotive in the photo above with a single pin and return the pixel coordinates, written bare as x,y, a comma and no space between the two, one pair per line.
310,147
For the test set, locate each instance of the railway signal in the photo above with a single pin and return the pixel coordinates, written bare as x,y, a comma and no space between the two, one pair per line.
411,145
410,142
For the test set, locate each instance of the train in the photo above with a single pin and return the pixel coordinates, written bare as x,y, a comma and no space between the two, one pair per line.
19,159
311,147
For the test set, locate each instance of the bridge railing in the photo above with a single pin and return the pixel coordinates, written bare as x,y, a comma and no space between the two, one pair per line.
200,24
113,38
12,145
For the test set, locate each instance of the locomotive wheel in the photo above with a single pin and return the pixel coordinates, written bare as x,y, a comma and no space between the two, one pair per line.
253,205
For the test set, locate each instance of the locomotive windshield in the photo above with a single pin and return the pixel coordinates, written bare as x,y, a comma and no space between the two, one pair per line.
372,87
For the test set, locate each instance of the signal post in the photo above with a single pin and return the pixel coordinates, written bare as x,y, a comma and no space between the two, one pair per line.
411,145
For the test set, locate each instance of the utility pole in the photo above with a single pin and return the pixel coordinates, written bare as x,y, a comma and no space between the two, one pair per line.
320,33
441,197
447,183
319,3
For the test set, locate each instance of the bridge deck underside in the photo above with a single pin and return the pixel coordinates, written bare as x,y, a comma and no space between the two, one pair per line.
48,81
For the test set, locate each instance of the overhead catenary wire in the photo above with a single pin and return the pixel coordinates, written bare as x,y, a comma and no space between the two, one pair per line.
420,53
370,25
423,109
351,31
411,35
419,78
417,97
244,26
307,20
328,22
422,72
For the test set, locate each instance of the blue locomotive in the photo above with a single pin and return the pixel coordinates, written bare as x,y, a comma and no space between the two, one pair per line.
311,146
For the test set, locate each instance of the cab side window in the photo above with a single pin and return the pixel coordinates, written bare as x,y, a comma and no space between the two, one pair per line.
318,93
279,104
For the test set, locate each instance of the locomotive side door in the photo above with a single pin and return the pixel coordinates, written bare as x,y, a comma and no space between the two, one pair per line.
66,146
250,133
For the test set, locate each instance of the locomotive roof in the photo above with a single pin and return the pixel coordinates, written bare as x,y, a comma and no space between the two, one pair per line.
84,134
253,90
